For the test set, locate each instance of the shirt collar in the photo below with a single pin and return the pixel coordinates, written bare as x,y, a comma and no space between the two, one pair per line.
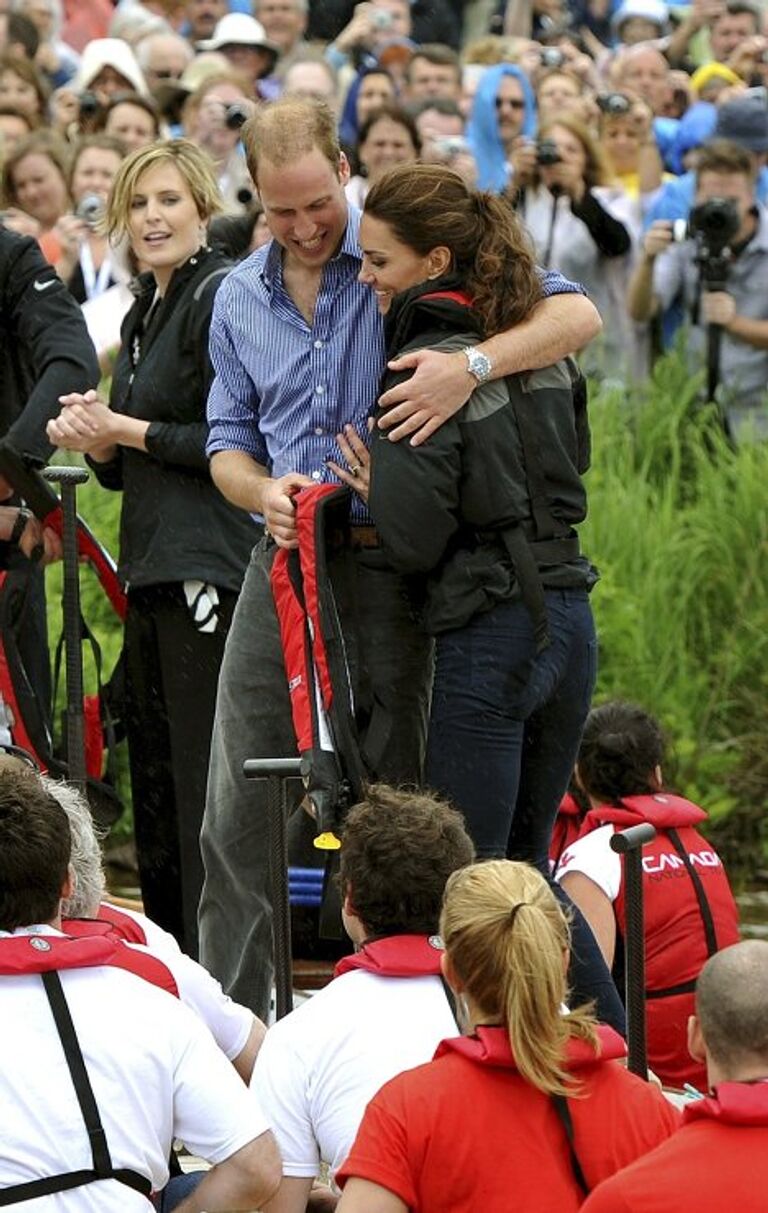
271,271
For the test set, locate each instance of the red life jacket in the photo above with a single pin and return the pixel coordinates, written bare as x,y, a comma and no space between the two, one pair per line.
396,956
150,968
689,915
123,925
88,944
566,829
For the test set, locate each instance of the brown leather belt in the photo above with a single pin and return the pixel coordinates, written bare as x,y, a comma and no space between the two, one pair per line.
364,537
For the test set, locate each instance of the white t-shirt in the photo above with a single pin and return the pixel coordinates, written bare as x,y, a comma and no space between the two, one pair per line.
593,857
229,1022
318,1068
156,1074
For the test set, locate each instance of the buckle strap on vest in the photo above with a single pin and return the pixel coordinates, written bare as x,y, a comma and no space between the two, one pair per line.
102,1161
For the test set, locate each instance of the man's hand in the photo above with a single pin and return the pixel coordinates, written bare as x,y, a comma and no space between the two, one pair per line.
718,307
279,509
439,387
657,238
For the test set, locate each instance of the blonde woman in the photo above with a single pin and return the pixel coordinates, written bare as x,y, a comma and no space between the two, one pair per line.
485,1125
183,548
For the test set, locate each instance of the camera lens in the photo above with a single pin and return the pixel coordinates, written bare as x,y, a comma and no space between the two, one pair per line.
547,153
614,103
90,209
236,116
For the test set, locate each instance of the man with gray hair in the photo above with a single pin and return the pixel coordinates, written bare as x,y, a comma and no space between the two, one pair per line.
236,1030
162,57
712,1163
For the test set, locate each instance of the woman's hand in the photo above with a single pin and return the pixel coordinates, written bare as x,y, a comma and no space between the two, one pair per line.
70,233
567,178
64,109
357,474
84,424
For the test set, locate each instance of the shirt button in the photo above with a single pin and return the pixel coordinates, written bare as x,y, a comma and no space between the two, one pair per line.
319,389
316,475
319,345
319,430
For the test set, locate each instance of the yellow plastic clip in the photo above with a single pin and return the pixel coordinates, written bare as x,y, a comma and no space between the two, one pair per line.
327,842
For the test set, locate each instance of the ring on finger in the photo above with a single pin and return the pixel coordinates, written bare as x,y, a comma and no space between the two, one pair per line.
355,468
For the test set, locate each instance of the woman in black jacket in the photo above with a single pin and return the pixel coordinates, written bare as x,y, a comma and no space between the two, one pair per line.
486,509
183,548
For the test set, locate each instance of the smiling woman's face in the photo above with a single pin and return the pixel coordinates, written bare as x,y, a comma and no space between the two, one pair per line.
164,226
389,266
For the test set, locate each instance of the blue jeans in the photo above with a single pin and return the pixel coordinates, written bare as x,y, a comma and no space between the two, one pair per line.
504,733
506,724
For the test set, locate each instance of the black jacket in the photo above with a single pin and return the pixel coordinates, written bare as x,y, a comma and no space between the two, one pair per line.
175,525
441,508
45,350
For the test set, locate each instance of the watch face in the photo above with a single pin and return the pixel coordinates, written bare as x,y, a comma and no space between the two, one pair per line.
479,365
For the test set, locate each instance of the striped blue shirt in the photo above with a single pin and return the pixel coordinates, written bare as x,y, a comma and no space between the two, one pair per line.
283,389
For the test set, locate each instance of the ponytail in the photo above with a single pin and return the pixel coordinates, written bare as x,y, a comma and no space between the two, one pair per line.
508,941
501,277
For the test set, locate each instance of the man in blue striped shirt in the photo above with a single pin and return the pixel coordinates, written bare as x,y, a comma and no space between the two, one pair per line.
298,350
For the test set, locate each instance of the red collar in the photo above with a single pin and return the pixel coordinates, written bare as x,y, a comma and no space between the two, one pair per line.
490,1047
396,956
662,810
733,1103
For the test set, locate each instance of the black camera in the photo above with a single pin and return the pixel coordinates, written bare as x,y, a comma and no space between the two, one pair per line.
614,103
552,56
547,153
236,116
714,224
89,106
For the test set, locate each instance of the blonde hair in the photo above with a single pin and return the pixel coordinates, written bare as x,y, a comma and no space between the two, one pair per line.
508,941
287,129
194,166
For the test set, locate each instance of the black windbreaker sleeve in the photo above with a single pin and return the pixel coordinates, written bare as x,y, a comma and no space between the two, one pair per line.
609,234
52,344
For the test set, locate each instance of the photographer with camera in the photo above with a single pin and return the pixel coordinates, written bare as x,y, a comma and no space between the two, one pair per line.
719,266
85,265
571,213
212,118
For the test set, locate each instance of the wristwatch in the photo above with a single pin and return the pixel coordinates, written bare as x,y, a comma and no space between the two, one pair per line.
479,364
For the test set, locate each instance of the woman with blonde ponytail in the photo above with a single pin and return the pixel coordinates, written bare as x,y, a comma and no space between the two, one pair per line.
486,513
487,1126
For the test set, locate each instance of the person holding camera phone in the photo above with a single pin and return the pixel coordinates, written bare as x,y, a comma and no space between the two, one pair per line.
685,264
85,264
212,118
571,213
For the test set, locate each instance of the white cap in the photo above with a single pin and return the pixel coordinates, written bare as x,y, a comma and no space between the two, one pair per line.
238,29
650,10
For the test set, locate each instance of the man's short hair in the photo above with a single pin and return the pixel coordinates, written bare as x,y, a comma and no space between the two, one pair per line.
35,845
723,156
732,1004
735,8
287,129
399,849
437,53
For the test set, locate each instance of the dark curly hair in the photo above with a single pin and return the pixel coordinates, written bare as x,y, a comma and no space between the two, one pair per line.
399,848
427,205
35,846
620,747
